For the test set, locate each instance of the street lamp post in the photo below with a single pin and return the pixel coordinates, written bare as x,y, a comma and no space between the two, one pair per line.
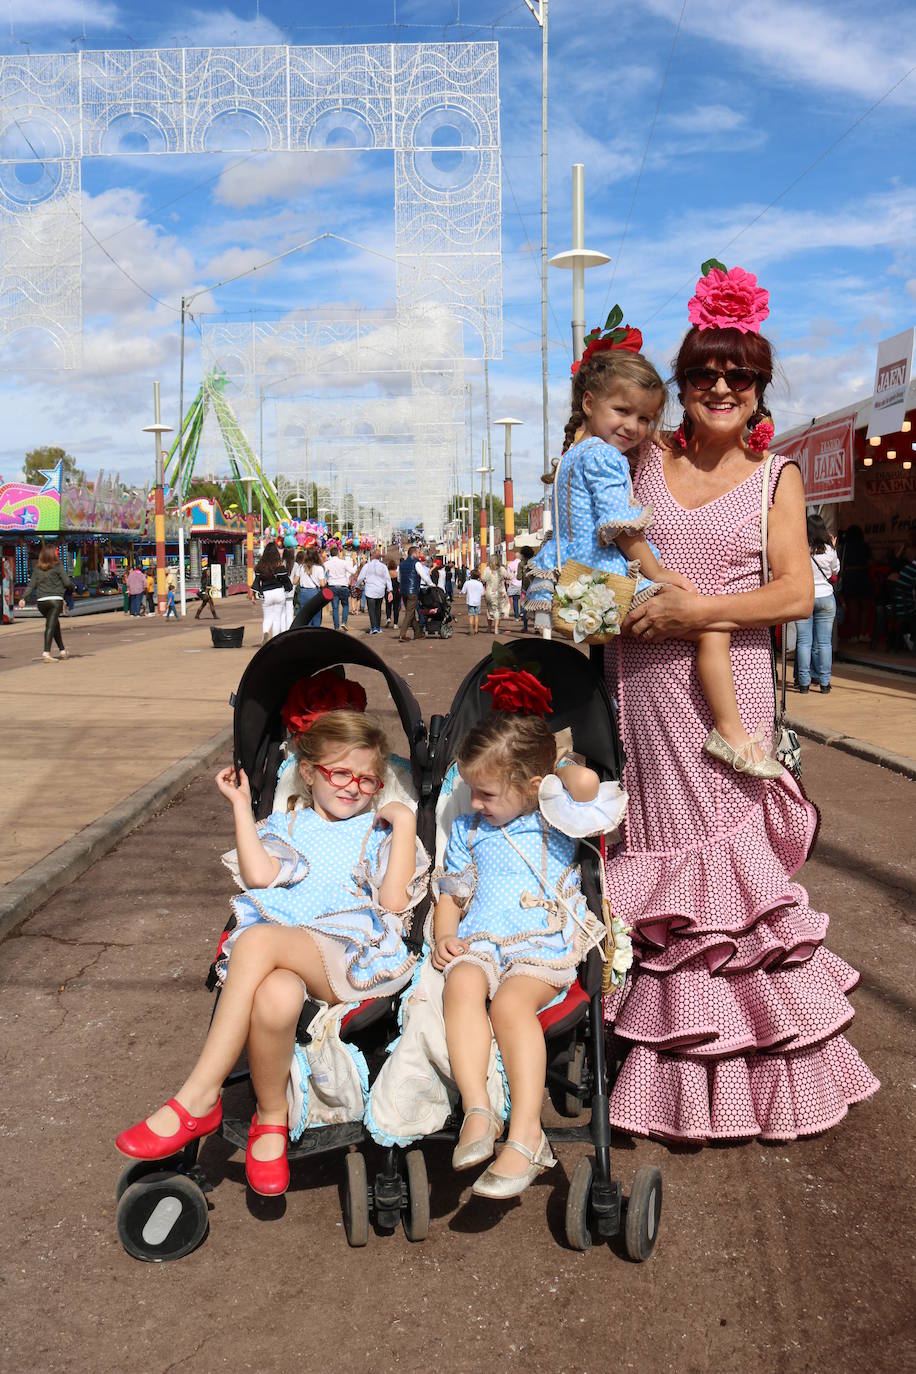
485,470
507,422
157,429
540,15
578,258
249,481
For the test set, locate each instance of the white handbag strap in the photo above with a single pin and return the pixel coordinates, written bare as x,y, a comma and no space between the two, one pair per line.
556,515
778,687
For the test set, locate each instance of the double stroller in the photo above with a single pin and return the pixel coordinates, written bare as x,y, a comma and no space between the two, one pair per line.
163,1213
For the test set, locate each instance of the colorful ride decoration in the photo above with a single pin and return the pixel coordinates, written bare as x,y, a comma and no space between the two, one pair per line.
24,507
243,461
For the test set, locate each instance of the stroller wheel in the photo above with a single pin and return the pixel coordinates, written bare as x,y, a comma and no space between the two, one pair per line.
578,1234
644,1210
415,1217
356,1201
140,1168
574,1070
162,1217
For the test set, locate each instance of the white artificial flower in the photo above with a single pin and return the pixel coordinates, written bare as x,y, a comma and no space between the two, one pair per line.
569,614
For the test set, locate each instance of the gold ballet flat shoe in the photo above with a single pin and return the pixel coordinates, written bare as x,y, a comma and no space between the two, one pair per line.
497,1186
476,1151
741,759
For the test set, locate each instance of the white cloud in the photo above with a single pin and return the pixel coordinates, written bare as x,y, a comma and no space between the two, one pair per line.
707,119
860,53
68,13
213,28
278,176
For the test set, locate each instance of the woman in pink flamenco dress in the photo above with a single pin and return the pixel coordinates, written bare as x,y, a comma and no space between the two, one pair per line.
734,1015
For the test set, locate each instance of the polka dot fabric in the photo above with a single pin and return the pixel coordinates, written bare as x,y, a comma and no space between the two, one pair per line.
735,1008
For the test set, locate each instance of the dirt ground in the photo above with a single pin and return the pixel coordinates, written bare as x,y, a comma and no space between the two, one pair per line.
789,1258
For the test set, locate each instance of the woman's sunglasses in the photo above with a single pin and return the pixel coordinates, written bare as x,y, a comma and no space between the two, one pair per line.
737,379
340,778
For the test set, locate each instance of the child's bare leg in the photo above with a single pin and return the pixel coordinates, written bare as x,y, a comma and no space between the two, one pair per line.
467,1034
714,669
513,1014
257,953
274,1015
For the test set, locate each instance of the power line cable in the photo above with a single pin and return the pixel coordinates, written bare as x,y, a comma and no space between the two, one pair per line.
642,165
791,186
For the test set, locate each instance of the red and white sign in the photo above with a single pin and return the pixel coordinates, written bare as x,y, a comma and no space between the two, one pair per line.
892,377
825,456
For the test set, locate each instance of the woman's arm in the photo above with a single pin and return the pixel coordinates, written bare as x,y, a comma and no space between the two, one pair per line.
402,860
675,614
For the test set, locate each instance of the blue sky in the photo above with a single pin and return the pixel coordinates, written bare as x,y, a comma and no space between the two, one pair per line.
756,97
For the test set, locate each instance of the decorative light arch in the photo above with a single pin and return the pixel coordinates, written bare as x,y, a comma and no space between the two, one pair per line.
436,106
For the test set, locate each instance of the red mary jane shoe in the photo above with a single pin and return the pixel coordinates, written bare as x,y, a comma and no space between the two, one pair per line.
269,1177
141,1143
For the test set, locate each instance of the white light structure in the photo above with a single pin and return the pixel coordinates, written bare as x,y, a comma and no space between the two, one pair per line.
578,258
435,106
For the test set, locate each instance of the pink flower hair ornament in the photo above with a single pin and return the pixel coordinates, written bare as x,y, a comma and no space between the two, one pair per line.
728,299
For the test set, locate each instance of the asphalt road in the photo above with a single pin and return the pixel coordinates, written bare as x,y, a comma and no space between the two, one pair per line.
771,1257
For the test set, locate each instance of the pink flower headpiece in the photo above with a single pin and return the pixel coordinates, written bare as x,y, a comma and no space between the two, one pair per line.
728,299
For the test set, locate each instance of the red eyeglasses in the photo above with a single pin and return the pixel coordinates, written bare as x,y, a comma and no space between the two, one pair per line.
368,783
737,379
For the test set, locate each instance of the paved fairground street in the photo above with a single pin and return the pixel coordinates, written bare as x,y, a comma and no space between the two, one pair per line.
780,1257
511,967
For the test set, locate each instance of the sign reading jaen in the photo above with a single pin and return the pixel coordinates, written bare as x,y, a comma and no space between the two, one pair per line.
892,375
825,455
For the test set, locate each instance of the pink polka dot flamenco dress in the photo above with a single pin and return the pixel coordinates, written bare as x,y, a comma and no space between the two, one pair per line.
735,1009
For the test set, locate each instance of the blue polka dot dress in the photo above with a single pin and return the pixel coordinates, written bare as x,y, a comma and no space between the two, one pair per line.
595,504
508,880
328,884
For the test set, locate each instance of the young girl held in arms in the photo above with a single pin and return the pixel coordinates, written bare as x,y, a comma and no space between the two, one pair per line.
511,924
300,928
617,402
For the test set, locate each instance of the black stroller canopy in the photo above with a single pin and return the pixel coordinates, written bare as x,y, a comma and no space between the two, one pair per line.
265,685
579,698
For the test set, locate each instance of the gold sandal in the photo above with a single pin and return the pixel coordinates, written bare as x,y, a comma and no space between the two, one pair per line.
500,1186
476,1151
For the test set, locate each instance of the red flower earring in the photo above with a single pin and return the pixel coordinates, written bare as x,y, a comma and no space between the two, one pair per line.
762,432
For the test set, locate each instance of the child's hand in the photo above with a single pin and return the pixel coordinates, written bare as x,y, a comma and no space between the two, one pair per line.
394,813
676,579
447,949
236,791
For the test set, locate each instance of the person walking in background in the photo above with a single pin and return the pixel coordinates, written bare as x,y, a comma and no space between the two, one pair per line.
514,585
338,571
814,636
150,594
393,605
473,595
411,573
494,578
205,597
292,572
49,582
855,583
136,586
311,578
271,583
171,611
449,581
375,579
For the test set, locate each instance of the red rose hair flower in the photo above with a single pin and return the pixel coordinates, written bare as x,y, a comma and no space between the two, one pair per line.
514,689
312,697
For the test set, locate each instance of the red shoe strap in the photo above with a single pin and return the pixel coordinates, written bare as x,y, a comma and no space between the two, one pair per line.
188,1121
256,1129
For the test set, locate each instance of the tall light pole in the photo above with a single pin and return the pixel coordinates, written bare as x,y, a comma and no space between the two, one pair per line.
540,15
578,258
248,481
157,429
484,471
507,422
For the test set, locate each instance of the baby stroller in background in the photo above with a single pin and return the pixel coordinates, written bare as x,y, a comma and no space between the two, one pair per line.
434,613
577,1069
162,1207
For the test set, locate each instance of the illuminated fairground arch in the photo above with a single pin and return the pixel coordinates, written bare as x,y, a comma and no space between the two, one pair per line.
435,106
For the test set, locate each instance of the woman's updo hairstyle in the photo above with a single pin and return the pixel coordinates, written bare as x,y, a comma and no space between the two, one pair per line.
605,369
515,747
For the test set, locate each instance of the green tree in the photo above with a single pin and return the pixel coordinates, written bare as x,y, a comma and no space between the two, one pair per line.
39,461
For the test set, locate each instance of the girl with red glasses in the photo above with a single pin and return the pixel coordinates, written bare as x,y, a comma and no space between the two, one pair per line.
337,937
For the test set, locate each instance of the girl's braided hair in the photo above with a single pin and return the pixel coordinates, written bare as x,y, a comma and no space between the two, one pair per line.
603,370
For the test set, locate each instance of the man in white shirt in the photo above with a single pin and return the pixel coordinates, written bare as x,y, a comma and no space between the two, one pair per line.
376,579
338,571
